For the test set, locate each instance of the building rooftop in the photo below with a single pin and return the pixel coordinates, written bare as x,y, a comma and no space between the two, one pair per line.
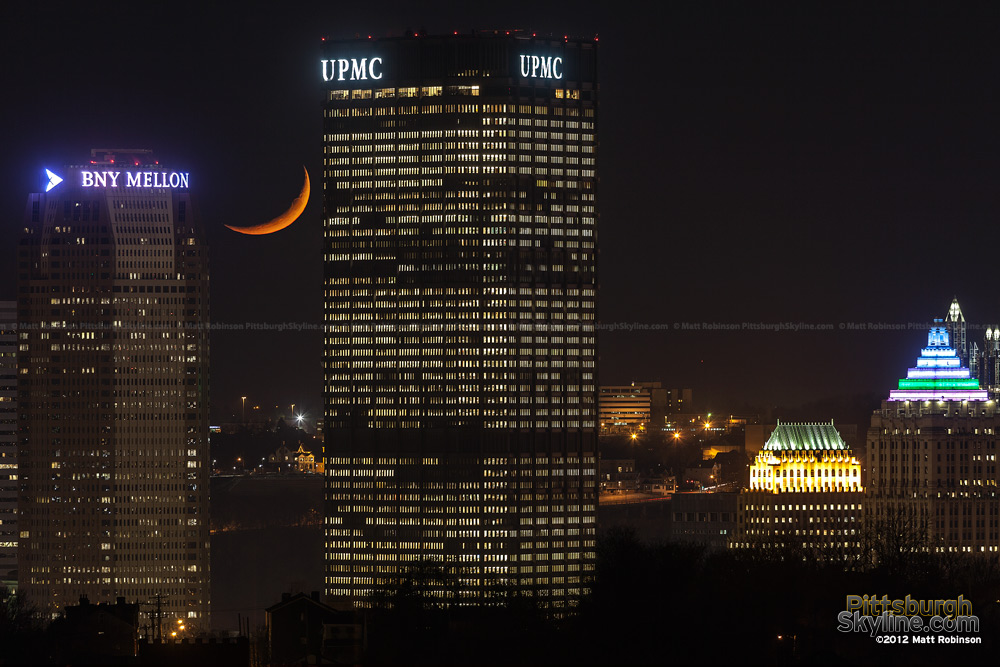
939,374
805,436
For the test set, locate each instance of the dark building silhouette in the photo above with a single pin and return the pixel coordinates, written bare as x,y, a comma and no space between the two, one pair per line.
709,519
302,629
97,633
224,652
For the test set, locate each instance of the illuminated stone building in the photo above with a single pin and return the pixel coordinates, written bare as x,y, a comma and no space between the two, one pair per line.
8,441
932,456
305,461
460,217
805,492
113,389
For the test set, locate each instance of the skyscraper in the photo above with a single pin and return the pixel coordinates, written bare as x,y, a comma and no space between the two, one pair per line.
805,491
8,440
955,323
932,457
113,389
987,361
460,217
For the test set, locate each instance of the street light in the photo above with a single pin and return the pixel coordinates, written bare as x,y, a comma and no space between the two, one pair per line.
244,398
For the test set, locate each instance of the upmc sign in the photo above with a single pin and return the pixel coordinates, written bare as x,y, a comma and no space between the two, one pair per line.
541,67
355,69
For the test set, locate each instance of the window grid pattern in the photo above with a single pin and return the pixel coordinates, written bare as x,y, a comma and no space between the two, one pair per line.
460,367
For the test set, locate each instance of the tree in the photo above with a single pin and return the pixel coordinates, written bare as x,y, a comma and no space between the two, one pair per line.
21,629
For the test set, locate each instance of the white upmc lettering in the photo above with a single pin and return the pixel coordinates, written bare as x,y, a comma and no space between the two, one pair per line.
88,179
132,180
538,67
355,69
358,69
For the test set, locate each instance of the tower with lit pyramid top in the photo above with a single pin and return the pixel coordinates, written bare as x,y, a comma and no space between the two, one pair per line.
931,460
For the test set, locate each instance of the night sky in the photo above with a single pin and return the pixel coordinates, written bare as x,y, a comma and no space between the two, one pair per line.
760,163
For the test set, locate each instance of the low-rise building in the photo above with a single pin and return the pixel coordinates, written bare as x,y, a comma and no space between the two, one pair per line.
618,476
659,485
623,408
305,461
703,474
709,519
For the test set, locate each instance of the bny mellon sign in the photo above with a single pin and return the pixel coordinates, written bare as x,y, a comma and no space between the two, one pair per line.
84,178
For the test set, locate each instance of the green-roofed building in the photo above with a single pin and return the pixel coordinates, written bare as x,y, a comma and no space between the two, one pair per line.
805,437
805,492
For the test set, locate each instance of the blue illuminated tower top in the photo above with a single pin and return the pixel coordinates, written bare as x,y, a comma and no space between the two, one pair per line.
939,374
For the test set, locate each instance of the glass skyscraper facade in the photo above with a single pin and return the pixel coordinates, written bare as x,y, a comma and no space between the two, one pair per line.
460,226
113,299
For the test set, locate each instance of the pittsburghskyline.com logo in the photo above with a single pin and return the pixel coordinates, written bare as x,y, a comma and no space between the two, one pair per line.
909,620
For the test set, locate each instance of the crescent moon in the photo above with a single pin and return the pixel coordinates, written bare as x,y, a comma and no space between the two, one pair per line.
283,220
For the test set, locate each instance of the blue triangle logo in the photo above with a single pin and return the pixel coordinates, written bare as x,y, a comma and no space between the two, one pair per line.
53,180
